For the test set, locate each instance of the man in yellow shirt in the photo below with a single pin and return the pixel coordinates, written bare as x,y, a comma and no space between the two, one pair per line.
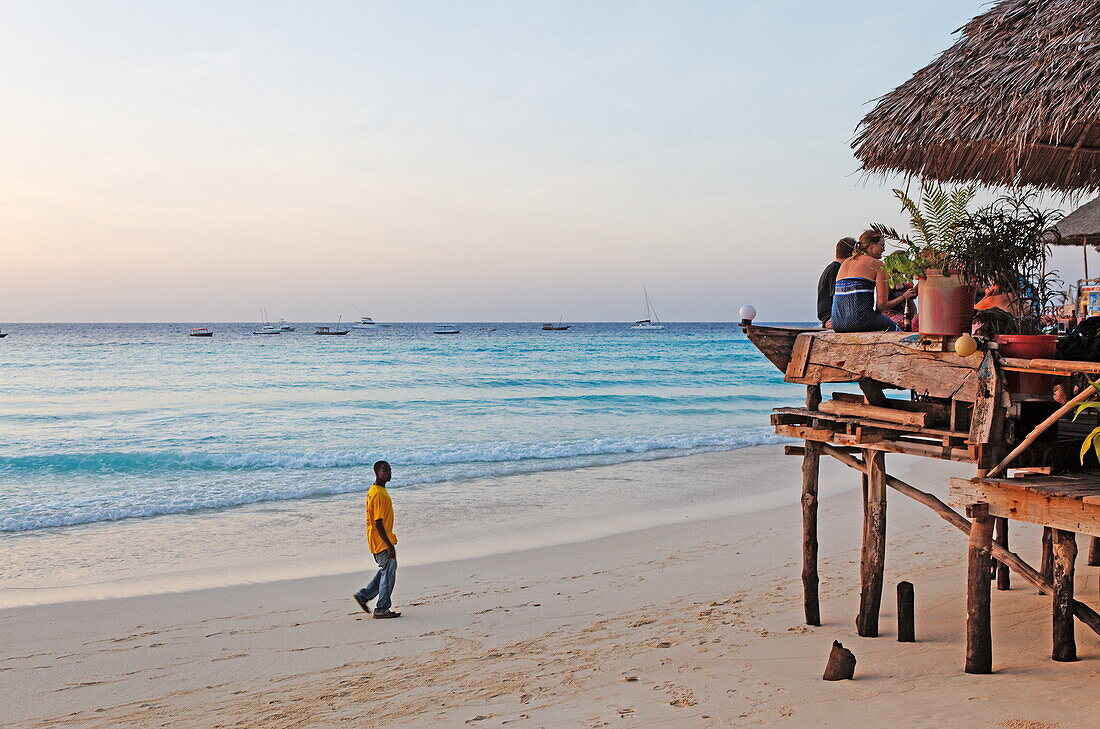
382,541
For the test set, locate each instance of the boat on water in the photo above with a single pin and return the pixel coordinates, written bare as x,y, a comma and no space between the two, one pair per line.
268,329
3,334
651,321
200,332
283,326
559,327
367,323
446,329
336,331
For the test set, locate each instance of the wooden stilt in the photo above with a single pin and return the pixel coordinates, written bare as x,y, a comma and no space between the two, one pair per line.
1000,535
873,553
906,628
979,638
1084,613
811,462
813,397
1046,567
1094,552
1065,554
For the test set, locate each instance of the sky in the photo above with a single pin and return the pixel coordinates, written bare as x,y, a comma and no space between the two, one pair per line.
442,161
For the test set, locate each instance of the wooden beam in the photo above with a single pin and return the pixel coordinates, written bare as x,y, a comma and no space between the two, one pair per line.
979,636
1051,366
810,472
873,552
1065,553
886,414
1083,612
1019,503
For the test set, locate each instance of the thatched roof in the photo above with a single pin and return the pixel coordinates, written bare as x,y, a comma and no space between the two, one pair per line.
1082,226
1016,101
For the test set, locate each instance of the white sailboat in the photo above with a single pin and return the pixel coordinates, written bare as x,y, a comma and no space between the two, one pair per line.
651,321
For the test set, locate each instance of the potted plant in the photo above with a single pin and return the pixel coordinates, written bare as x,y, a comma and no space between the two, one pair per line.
1005,245
945,292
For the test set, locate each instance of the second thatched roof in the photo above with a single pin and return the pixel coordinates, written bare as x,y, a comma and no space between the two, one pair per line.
1016,101
1082,226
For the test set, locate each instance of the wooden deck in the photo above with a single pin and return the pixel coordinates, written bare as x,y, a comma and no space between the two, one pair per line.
1067,501
960,409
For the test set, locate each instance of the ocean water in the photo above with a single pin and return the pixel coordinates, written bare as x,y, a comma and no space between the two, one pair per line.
101,423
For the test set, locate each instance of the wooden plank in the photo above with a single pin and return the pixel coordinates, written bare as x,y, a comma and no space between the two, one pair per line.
1060,512
1052,366
885,414
987,417
895,358
800,356
820,415
926,450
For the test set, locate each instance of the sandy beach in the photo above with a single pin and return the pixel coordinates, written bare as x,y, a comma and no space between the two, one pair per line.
687,622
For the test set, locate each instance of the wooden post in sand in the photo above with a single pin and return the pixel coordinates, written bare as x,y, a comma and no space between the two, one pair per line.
873,551
811,463
1065,553
1000,536
979,634
813,397
906,627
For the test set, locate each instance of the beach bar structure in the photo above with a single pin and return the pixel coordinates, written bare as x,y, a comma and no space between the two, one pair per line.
1013,102
1024,450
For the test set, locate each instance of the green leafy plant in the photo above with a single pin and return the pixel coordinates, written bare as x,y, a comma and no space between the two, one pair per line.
1006,244
935,217
1092,439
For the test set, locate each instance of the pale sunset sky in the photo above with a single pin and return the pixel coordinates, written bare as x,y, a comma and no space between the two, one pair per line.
440,161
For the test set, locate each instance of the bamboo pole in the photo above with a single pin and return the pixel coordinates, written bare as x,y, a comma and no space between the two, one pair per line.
979,633
873,551
1084,613
811,462
1065,553
1042,428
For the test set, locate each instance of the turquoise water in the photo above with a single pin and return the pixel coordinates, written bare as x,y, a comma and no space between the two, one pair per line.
105,422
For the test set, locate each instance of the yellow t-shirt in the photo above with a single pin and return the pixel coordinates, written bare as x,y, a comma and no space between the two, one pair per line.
379,506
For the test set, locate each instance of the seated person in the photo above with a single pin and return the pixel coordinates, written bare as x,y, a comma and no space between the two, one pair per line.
861,289
827,283
898,302
994,299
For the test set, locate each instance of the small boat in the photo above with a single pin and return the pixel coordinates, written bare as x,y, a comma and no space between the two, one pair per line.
488,329
367,323
651,321
268,329
200,332
559,327
336,331
3,334
284,327
446,329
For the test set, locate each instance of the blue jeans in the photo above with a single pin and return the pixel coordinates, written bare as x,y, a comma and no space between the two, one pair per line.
381,586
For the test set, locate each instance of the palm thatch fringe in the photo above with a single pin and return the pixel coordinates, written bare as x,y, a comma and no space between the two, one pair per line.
1015,101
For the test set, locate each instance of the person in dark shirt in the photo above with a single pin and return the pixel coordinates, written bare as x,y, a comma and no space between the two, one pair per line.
827,283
